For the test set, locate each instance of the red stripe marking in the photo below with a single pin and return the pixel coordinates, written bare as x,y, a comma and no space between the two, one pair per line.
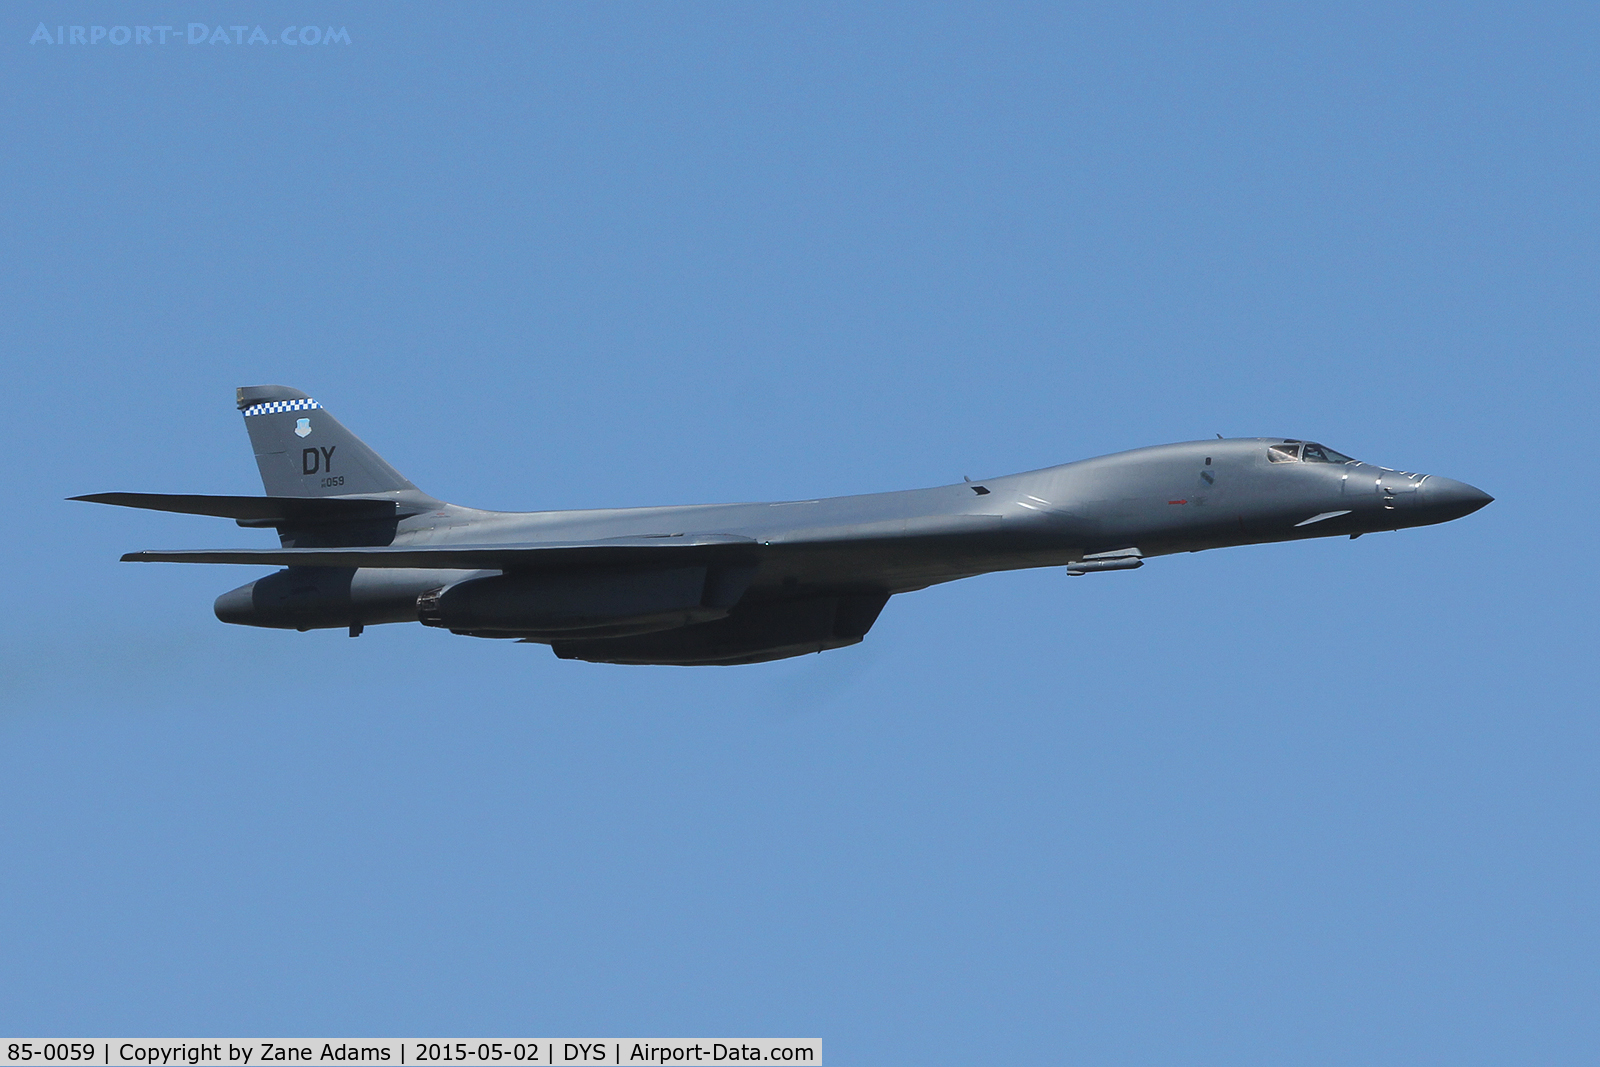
1177,501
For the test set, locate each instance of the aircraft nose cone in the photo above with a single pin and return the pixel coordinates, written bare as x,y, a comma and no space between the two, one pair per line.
1451,499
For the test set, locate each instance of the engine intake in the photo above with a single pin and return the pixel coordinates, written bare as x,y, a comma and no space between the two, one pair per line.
752,633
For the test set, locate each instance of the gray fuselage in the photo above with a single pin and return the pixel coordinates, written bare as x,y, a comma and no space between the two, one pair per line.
724,584
1145,502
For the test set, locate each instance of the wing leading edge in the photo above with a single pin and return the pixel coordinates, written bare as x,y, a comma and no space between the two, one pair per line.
462,557
637,549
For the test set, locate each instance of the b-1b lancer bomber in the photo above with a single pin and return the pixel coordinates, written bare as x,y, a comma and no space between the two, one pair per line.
743,583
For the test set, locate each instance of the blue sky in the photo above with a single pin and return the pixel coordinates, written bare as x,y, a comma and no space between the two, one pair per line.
1328,802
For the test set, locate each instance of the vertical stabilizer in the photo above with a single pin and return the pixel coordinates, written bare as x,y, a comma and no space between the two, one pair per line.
304,451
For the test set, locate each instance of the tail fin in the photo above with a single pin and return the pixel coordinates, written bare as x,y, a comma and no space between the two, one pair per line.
304,451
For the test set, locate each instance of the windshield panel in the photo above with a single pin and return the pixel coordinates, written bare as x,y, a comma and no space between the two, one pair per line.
1283,453
1324,454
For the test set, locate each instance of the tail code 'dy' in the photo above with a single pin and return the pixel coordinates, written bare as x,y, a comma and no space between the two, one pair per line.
304,451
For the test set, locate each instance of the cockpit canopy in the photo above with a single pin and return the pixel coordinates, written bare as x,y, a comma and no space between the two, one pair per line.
1305,452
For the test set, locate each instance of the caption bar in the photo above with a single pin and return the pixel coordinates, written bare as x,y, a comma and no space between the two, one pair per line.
260,1052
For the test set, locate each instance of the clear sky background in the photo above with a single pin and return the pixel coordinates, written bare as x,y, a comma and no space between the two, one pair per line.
1324,803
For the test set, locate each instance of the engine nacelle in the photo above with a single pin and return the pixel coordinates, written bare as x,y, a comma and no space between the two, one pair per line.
584,604
311,598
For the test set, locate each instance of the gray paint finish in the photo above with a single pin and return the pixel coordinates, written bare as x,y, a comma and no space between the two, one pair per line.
740,583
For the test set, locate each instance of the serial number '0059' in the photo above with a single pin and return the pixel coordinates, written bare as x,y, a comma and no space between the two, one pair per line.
337,479
439,1052
50,1052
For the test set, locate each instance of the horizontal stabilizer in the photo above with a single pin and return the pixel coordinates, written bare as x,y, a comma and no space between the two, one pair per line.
254,510
620,550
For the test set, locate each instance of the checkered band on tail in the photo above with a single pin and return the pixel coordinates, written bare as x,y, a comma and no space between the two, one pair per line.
272,407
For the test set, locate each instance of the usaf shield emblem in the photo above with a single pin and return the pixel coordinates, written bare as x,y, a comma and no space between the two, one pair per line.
302,427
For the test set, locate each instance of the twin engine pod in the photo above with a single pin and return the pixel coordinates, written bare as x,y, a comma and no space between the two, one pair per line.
672,615
598,604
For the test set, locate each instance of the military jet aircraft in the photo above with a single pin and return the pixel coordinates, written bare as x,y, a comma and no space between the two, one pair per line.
743,583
